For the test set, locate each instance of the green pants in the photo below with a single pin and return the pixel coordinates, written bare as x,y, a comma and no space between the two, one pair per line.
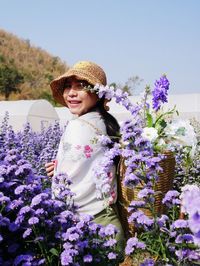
110,216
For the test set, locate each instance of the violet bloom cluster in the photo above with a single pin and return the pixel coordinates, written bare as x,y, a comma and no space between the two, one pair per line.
133,244
83,236
102,172
36,229
121,97
160,92
170,238
191,206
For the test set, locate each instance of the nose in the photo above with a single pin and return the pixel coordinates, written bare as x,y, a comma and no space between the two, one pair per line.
72,91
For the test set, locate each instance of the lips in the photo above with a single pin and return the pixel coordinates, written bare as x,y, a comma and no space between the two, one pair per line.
73,103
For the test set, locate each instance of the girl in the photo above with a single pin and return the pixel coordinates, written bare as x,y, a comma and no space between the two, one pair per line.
78,155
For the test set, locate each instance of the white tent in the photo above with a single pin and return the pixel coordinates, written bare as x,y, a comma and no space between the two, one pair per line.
36,112
188,106
64,115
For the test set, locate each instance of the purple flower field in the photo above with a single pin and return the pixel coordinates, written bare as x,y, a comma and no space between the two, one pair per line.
34,228
38,229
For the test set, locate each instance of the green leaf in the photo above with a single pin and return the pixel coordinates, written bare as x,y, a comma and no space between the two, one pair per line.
163,124
149,120
181,131
54,252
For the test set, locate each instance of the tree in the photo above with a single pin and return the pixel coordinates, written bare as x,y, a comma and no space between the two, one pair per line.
132,84
10,79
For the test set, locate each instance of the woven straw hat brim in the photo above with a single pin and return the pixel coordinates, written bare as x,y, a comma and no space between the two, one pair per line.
58,83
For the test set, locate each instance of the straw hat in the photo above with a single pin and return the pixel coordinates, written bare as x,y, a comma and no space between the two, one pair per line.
83,70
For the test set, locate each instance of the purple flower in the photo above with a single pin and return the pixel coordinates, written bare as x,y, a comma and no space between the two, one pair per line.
66,258
110,243
145,192
132,244
171,198
27,232
71,234
112,255
87,258
33,220
140,219
162,220
104,140
104,91
160,92
15,204
148,262
180,223
4,199
39,198
109,230
24,210
185,238
131,180
190,204
22,258
39,211
187,254
134,205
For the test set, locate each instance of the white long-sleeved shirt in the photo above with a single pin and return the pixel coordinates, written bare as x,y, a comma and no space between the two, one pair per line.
78,156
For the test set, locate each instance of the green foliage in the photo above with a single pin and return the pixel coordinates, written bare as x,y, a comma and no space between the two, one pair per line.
2,59
10,78
37,67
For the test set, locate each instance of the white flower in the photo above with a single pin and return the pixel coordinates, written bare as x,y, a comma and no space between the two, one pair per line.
150,133
181,132
161,142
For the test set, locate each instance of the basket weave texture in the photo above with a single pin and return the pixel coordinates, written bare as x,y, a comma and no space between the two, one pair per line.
126,195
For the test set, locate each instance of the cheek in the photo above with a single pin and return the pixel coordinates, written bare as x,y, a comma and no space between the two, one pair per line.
92,100
88,98
64,94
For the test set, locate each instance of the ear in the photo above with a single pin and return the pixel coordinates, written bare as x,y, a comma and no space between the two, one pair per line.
106,107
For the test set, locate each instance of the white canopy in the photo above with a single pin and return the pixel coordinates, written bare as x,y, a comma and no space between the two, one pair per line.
36,112
64,115
188,106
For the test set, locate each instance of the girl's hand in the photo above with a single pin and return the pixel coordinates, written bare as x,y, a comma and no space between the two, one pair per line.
50,168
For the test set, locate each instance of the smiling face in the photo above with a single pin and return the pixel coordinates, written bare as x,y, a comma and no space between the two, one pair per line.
78,100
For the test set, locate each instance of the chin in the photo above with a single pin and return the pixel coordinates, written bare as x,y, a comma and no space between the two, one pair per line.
75,112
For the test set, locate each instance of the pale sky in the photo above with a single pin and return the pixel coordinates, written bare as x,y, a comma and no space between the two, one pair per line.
126,37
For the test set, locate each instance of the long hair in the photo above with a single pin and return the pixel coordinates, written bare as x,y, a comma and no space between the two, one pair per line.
112,126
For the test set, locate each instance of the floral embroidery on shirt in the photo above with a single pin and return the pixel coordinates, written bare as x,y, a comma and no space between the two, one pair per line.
76,152
66,146
78,147
87,151
113,194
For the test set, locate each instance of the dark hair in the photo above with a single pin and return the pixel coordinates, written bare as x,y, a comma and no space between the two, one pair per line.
112,126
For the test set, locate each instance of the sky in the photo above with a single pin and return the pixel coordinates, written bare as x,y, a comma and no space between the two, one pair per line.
145,38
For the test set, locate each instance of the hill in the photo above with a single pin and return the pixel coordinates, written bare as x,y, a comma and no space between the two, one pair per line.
35,65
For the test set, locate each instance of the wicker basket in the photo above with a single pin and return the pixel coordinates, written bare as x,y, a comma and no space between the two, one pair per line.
126,195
